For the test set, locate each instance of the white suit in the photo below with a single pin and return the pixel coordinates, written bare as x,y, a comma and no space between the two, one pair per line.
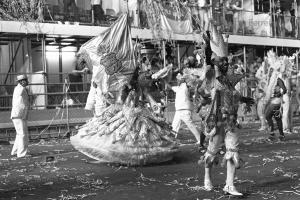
183,107
19,116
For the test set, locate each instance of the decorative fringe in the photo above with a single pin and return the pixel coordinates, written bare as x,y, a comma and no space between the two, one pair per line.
126,135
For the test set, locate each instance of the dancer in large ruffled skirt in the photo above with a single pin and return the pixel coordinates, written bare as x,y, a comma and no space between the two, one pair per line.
127,131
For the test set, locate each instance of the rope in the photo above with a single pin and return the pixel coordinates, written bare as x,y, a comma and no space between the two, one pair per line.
66,87
45,129
49,13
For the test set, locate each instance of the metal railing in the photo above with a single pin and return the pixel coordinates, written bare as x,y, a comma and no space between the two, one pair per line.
47,95
235,22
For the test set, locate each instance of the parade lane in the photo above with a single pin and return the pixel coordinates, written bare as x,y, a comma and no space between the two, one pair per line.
56,171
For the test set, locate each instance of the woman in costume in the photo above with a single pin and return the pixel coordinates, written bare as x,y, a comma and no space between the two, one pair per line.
262,76
275,90
127,131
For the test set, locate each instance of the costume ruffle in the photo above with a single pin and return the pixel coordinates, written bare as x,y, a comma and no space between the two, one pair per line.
232,156
126,135
208,159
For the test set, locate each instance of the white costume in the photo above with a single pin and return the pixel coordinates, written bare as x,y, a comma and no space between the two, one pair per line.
183,107
96,100
19,116
286,102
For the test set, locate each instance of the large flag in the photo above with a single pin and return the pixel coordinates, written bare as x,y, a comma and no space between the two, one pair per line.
176,19
111,54
166,19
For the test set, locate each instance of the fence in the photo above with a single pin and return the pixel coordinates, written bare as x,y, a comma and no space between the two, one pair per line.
49,94
234,22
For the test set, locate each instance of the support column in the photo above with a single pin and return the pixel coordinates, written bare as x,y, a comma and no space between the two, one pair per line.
178,55
164,52
164,57
297,65
245,69
45,70
60,64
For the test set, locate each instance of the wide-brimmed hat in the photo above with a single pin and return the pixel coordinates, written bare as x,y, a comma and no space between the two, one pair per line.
21,77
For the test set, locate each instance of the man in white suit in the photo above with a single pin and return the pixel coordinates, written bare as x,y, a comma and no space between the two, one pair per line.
19,116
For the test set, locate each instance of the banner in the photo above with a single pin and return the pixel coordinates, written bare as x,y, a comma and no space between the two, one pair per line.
261,24
176,20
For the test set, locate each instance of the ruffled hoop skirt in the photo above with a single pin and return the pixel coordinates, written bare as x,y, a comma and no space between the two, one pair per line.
126,135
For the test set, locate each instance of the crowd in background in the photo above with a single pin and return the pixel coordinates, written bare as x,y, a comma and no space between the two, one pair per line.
253,85
235,16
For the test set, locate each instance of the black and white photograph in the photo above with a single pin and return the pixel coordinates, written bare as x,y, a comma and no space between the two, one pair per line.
149,99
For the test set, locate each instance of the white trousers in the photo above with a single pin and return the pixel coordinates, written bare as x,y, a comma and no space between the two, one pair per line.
21,142
186,117
286,121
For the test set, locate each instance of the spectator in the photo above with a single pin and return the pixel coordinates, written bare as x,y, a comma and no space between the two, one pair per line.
287,23
259,97
278,19
98,11
76,81
19,116
71,11
237,16
145,67
204,14
293,18
228,16
298,21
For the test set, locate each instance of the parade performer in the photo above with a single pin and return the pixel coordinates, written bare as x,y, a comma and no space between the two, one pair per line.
286,104
127,131
275,90
262,75
19,116
184,107
260,99
220,123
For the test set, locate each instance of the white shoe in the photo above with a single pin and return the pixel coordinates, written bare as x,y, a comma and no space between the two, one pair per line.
208,186
231,190
288,132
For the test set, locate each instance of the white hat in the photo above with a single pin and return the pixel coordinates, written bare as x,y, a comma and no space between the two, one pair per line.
21,77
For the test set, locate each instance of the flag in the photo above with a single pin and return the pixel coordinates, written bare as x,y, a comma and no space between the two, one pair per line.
111,54
176,19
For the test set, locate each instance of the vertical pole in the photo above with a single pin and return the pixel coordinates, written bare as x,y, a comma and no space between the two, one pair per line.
60,64
242,14
296,19
93,14
276,26
164,58
297,84
164,52
178,56
245,69
28,45
138,14
45,69
67,105
297,65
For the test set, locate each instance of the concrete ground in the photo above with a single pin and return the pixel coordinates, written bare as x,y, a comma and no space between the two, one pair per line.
57,171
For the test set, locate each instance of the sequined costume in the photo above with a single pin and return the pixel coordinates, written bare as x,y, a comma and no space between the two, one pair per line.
221,119
127,131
